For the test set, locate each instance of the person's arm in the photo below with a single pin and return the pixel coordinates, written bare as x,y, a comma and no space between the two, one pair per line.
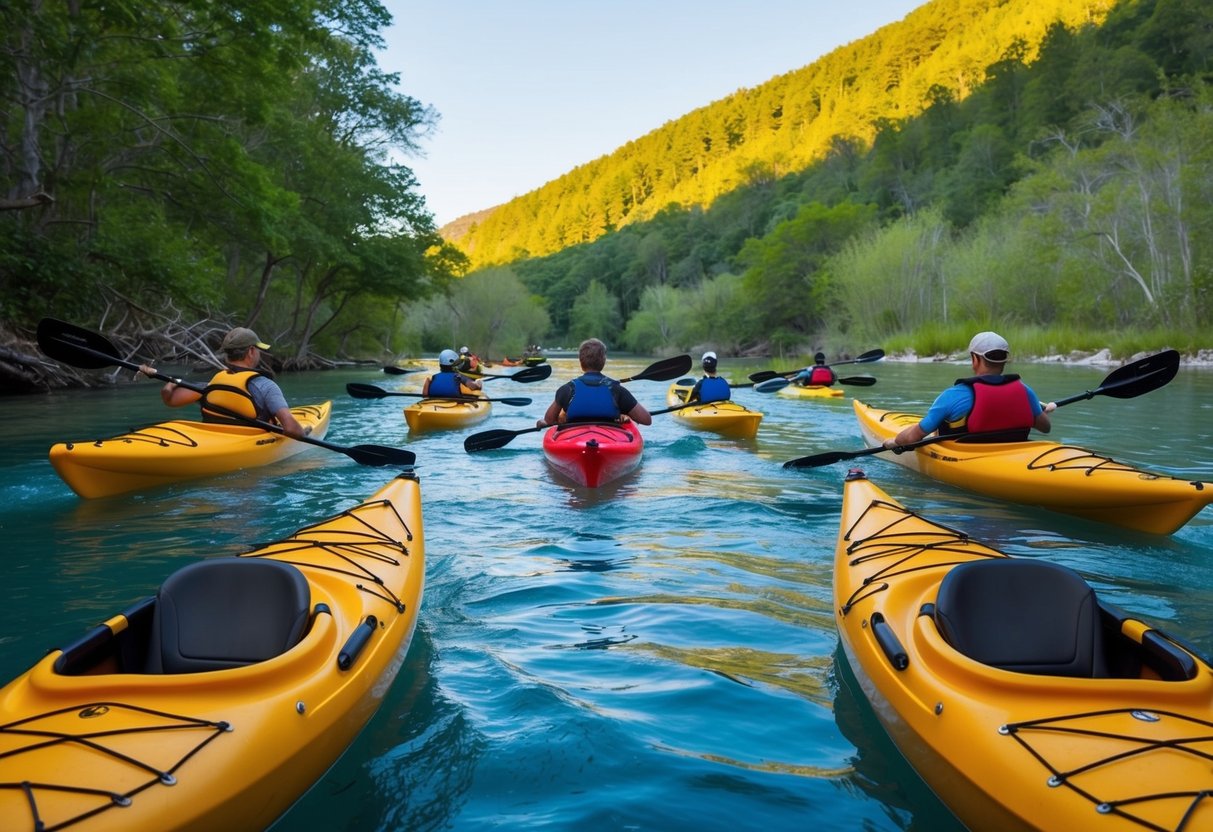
552,416
425,387
907,436
693,396
171,393
290,425
640,415
471,383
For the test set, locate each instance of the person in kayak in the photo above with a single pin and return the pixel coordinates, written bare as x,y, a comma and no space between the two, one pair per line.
987,402
710,388
819,375
469,362
239,388
593,397
448,381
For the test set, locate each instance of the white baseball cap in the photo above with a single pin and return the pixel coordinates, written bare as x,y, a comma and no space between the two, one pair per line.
990,346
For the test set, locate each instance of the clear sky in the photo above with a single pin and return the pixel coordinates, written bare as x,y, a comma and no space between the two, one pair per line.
527,90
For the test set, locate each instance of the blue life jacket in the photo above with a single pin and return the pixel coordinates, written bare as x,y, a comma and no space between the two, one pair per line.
714,390
592,400
445,383
1000,403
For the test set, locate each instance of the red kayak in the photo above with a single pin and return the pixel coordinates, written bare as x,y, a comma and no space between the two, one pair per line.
594,453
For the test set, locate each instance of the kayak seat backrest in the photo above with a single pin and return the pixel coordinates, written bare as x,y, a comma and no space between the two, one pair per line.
1022,615
227,612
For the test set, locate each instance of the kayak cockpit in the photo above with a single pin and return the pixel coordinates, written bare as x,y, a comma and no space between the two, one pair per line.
1041,618
215,614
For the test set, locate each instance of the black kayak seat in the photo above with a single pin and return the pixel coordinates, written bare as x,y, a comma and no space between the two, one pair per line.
1022,615
227,612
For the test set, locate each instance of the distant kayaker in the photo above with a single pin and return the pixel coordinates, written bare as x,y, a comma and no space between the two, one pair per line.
987,402
710,388
468,362
593,397
819,375
448,381
239,388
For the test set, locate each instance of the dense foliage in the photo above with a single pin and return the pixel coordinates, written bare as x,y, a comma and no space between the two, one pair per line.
1060,190
210,160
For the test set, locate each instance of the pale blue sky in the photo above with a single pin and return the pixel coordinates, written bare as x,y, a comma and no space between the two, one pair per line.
530,89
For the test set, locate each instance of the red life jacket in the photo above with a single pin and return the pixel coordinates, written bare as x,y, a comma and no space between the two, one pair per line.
1000,403
821,376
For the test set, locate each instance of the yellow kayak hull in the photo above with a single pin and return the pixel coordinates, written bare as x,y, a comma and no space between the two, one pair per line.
170,452
1088,754
227,749
795,391
727,419
445,414
1062,478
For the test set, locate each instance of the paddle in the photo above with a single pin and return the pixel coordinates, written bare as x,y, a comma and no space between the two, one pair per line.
499,438
524,376
1127,382
663,370
865,358
772,385
91,351
370,391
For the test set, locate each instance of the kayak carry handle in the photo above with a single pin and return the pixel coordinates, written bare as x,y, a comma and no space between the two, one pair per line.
357,642
888,642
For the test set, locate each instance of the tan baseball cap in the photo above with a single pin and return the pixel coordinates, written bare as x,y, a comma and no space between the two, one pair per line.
241,338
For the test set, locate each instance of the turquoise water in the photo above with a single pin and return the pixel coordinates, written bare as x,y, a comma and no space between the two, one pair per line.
658,654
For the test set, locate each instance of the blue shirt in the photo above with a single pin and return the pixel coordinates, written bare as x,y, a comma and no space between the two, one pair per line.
954,404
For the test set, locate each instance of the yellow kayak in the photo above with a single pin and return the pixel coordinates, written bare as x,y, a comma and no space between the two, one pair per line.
217,703
170,452
1063,478
445,414
1021,700
816,391
728,419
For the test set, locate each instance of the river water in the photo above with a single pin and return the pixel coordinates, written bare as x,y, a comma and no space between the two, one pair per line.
657,654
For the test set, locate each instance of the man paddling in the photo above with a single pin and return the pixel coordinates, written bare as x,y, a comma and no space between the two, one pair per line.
710,388
239,388
987,402
593,397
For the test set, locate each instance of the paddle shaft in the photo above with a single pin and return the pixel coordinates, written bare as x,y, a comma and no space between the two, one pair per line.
492,439
370,391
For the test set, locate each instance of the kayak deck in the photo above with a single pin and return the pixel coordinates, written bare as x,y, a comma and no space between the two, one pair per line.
727,418
94,735
445,414
170,452
592,454
1125,746
1063,478
816,391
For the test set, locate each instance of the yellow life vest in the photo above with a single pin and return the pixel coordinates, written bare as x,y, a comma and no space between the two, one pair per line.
228,391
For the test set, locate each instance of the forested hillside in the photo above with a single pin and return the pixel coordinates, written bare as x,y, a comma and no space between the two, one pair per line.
781,127
1061,189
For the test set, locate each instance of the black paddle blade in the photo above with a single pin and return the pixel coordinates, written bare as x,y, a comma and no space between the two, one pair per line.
828,458
764,375
858,381
490,439
665,370
377,456
771,385
537,373
365,391
75,346
399,371
1142,376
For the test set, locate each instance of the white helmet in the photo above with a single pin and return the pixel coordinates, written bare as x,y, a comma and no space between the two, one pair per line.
463,350
447,358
